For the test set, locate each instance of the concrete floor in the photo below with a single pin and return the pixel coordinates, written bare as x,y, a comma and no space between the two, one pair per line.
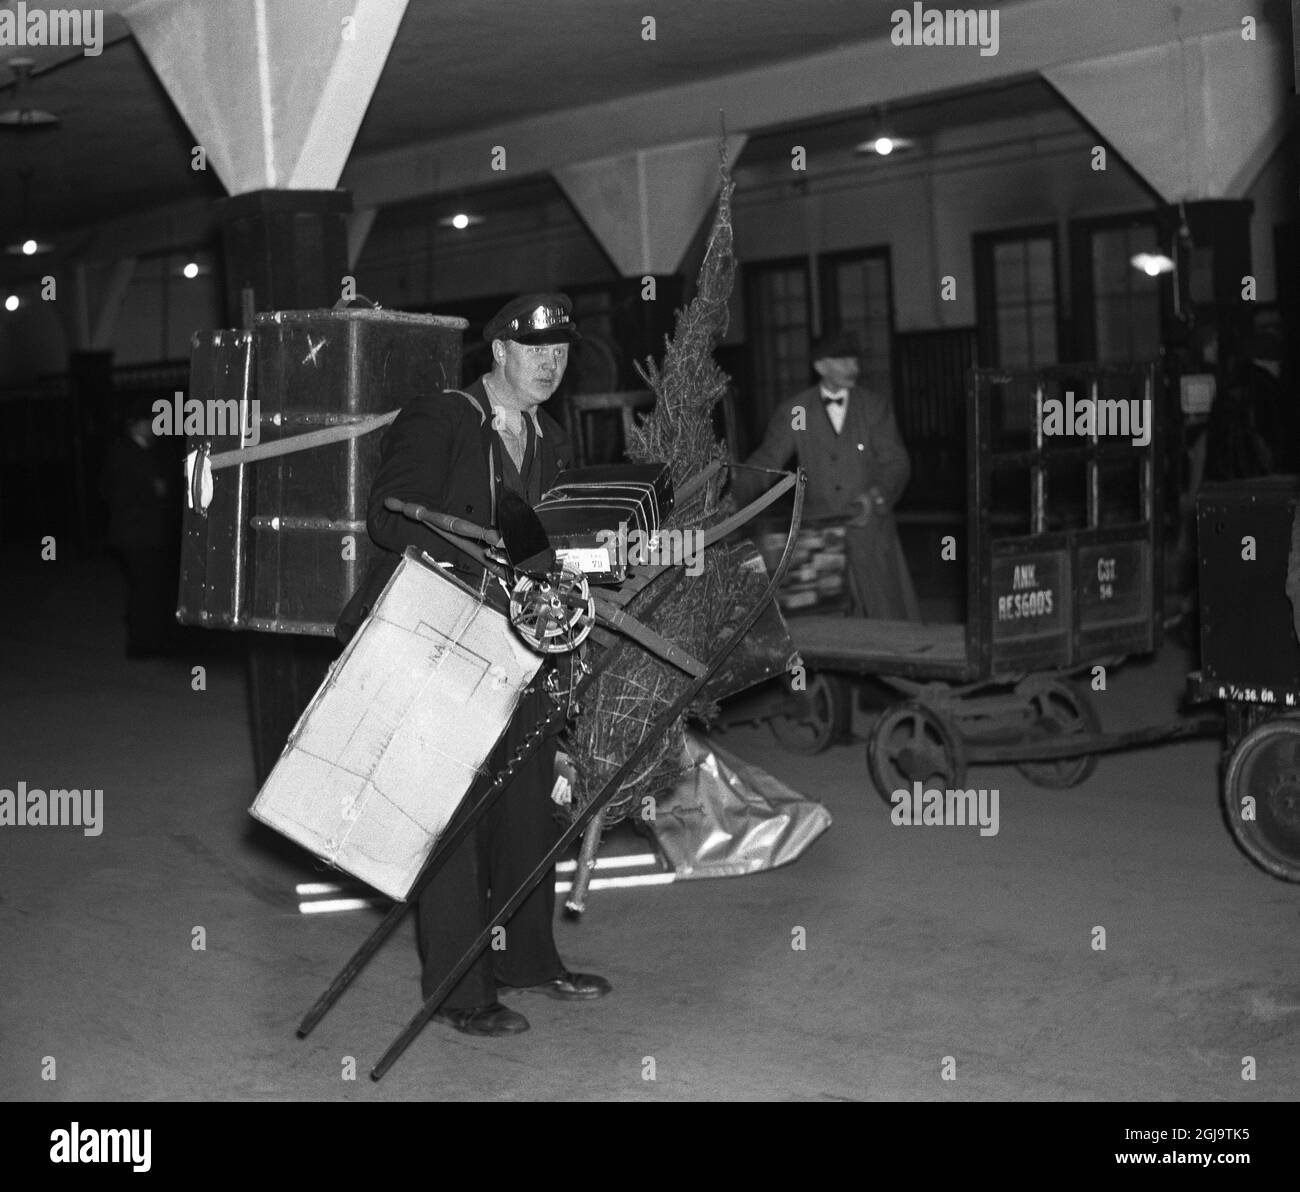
921,943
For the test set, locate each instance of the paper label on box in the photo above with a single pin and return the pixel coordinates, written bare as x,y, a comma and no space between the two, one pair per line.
588,560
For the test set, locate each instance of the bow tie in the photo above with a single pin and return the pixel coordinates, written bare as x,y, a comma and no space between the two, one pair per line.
838,398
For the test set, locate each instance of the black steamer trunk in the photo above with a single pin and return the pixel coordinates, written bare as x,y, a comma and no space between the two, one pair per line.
283,544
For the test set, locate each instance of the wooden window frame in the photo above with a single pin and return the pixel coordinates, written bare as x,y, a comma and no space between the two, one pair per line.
1083,296
831,319
756,412
986,308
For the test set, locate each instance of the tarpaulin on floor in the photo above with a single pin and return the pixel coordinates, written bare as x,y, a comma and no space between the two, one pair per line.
727,817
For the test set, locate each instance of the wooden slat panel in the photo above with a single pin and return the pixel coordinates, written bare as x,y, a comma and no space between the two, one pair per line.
868,646
930,370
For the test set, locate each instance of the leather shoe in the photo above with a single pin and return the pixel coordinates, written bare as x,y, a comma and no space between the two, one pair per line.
570,987
494,1019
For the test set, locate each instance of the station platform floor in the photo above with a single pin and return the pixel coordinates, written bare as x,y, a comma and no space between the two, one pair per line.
921,943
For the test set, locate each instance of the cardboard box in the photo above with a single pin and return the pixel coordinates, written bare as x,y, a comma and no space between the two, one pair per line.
395,737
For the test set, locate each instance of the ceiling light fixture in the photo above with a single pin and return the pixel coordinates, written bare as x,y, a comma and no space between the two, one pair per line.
22,115
884,143
460,221
886,140
189,267
28,248
12,303
28,245
1153,264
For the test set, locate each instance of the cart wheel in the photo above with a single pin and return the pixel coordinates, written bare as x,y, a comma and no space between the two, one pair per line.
914,743
1060,708
1265,767
814,718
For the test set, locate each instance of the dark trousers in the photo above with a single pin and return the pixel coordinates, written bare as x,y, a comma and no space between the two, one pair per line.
486,869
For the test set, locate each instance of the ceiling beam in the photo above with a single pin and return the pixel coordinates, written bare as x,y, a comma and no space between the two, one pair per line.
1034,36
119,282
342,99
359,224
645,207
274,90
1214,109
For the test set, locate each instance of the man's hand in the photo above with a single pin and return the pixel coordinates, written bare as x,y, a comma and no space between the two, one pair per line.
872,502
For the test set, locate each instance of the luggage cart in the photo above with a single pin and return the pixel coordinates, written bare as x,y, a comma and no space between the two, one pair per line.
1250,661
1064,575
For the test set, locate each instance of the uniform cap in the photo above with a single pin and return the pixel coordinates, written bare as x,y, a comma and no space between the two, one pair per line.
534,319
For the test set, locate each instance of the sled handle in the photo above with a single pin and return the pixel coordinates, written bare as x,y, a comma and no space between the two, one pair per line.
443,521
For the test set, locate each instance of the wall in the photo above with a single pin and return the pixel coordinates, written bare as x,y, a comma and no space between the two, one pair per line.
158,314
161,309
1272,194
409,261
32,340
927,206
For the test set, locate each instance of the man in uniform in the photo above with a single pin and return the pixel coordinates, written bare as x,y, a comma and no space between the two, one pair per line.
454,452
846,439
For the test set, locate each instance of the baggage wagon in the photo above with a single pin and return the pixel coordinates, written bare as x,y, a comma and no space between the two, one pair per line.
1250,660
1063,563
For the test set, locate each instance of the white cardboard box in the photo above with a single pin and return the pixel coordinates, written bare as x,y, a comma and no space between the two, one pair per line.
393,740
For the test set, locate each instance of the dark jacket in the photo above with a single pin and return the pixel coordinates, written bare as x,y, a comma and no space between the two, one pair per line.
868,452
441,452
